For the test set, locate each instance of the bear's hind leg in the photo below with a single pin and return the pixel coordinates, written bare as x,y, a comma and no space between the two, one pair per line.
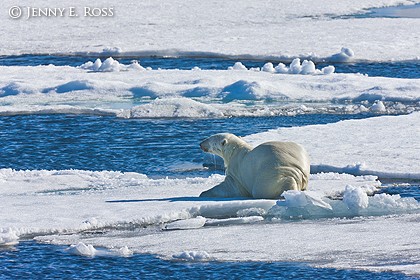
275,189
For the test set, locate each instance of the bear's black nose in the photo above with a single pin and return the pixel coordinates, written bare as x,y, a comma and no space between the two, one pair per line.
203,148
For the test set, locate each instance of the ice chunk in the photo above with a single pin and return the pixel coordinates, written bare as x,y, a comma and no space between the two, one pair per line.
124,252
192,256
90,223
391,204
192,223
281,68
136,66
8,237
268,67
111,51
328,70
234,221
237,66
295,67
301,199
355,198
253,211
82,249
96,65
308,67
345,55
110,65
378,107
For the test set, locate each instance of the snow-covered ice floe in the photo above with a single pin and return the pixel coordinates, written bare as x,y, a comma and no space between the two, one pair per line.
133,213
341,222
271,31
385,146
140,93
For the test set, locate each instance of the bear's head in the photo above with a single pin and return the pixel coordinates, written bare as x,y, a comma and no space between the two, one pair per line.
222,144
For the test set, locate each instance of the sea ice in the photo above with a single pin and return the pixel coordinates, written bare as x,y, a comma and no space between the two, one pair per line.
192,223
82,249
347,146
307,67
238,66
341,221
8,237
355,199
308,30
345,55
203,94
130,210
110,65
192,256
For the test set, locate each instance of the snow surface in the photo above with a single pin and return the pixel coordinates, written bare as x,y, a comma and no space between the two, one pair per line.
252,29
340,222
386,146
138,93
114,213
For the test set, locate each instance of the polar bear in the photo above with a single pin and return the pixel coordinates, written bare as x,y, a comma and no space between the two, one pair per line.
265,171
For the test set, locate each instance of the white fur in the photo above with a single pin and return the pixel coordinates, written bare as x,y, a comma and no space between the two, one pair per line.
265,171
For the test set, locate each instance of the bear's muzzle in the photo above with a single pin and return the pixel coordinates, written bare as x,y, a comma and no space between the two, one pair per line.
203,147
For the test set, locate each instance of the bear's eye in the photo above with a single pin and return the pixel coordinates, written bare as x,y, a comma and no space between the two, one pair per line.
224,142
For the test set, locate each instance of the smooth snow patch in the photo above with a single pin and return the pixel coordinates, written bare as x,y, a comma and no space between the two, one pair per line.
71,86
347,146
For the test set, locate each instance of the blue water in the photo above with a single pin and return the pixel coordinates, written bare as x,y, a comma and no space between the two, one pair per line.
385,69
153,146
35,261
401,11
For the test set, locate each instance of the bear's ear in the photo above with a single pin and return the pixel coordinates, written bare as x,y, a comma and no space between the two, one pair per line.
224,142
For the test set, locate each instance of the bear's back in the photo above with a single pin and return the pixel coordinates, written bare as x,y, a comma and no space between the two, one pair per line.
280,153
